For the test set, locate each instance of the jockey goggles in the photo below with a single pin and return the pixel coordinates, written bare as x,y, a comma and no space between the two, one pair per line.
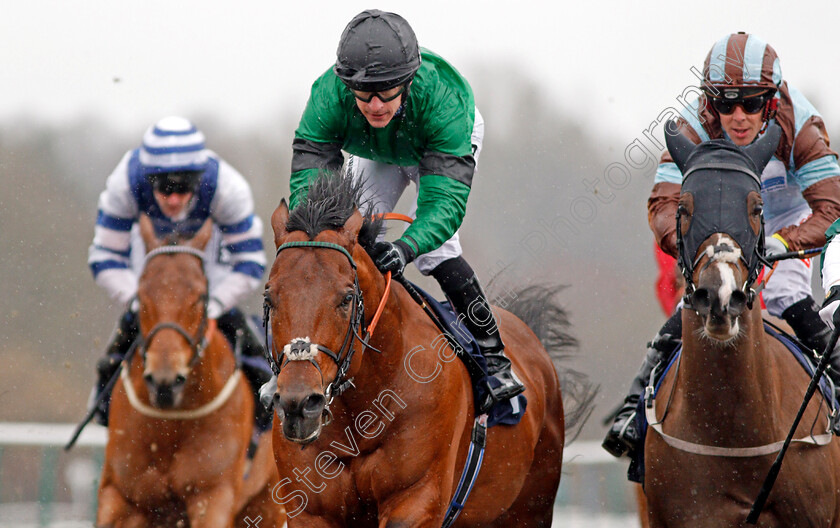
383,95
176,182
752,103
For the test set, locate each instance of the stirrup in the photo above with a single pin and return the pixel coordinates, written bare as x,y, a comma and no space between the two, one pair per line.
510,386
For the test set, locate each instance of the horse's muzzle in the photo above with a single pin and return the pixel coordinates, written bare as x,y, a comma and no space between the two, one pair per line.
300,416
165,394
720,321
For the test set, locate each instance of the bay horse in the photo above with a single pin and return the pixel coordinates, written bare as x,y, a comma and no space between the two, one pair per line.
734,394
376,433
181,412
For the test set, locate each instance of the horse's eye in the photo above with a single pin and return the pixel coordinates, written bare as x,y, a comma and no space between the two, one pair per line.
346,300
757,209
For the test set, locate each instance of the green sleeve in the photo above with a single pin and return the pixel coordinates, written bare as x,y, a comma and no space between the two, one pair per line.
319,136
441,205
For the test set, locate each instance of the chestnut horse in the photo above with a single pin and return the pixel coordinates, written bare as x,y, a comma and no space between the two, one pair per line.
181,414
736,390
373,430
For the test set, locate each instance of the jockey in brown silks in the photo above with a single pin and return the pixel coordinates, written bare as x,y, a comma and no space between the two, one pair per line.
743,92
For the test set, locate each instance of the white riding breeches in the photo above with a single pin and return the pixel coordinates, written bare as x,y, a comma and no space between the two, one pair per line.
791,282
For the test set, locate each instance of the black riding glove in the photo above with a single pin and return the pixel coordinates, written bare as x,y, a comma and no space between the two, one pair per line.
392,256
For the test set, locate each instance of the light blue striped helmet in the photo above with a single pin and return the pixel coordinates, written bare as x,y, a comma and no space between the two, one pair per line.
741,60
173,144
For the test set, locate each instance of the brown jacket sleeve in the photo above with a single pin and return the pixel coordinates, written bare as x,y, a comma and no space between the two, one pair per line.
662,212
824,199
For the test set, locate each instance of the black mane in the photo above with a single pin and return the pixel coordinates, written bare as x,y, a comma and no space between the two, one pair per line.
329,202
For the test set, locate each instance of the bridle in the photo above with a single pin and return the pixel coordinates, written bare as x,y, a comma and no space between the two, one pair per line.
198,342
714,253
753,248
303,349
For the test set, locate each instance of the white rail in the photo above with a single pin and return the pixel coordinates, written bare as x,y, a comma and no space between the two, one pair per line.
57,434
49,434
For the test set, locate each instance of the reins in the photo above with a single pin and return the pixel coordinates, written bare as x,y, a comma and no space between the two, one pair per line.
706,450
198,344
206,329
304,349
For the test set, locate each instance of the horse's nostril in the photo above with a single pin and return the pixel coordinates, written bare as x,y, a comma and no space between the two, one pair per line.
701,301
313,405
148,378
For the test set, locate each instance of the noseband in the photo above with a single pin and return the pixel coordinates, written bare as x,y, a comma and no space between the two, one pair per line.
300,349
198,342
716,252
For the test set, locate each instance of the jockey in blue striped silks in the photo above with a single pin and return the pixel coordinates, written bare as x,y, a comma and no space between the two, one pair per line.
179,183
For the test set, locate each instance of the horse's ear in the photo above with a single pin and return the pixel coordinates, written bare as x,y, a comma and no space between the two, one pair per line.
200,240
679,146
762,150
352,226
279,219
147,233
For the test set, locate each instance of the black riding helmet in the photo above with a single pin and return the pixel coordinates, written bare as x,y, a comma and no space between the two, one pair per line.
377,51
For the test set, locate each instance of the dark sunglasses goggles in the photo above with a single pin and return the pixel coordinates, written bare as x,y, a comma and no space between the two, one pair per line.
175,183
751,104
383,95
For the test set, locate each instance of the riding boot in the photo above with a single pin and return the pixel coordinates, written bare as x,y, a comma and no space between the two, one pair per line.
461,287
121,339
622,435
249,350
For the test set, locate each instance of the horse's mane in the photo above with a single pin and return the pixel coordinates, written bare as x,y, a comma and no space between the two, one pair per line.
329,202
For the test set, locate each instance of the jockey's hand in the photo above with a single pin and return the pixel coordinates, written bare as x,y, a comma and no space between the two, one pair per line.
774,245
392,256
214,308
829,311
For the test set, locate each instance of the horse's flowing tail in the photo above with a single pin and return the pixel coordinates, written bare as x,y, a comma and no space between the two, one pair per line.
537,307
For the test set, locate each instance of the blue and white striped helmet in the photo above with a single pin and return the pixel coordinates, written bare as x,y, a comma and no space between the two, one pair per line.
741,60
173,144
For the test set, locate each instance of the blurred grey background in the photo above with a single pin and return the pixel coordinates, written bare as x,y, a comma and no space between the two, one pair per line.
558,199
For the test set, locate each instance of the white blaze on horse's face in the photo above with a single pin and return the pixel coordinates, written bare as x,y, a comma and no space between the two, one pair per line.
722,261
719,324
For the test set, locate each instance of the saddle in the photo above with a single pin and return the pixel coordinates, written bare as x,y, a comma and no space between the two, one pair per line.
507,412
806,359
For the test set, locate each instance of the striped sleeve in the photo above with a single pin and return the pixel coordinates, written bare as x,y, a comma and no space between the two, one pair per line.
109,254
232,210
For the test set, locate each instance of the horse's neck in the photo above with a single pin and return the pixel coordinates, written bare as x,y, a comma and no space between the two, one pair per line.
724,387
399,331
